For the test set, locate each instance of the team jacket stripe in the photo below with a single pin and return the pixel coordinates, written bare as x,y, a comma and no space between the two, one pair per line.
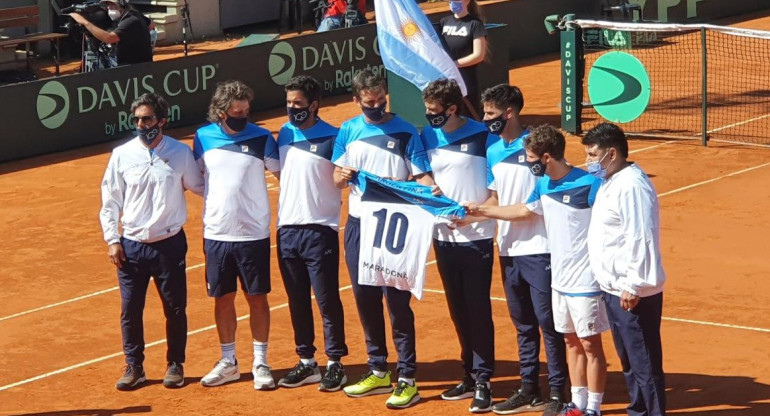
577,197
252,147
394,142
321,146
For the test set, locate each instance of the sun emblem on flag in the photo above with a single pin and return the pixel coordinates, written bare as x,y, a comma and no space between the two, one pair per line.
410,31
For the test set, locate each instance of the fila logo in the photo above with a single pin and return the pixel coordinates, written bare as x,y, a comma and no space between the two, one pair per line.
244,148
521,159
565,199
313,148
463,147
391,145
455,31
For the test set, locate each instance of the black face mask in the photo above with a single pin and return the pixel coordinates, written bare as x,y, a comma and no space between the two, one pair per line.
537,167
236,123
148,135
496,125
437,121
298,116
375,113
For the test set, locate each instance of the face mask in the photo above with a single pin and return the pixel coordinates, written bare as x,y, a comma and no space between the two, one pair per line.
375,113
456,7
437,121
537,167
236,123
114,14
148,135
496,125
595,168
298,116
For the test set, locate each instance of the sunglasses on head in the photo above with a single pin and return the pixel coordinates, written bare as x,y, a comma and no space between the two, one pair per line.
145,119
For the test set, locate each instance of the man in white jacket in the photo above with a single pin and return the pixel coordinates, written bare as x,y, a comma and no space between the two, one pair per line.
624,250
145,181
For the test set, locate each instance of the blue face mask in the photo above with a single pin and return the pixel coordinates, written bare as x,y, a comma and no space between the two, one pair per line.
496,125
456,7
437,121
375,113
148,135
537,168
595,168
298,116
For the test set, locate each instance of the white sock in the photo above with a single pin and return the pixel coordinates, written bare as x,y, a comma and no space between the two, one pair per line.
579,397
378,373
409,381
595,401
228,352
330,362
260,353
308,361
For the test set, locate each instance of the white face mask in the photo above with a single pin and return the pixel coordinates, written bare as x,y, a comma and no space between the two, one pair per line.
114,14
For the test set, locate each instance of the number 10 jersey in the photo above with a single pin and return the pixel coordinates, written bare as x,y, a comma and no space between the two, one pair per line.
397,220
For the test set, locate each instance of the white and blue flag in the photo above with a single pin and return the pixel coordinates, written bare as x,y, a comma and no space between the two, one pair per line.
410,47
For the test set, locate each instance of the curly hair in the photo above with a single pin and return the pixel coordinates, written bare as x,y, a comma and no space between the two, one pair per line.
225,94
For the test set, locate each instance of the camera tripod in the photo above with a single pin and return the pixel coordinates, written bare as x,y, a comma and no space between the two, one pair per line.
186,24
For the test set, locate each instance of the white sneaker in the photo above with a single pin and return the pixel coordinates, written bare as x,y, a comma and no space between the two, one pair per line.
223,372
263,379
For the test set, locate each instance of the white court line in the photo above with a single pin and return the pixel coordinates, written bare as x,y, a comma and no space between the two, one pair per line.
665,318
684,188
740,123
118,354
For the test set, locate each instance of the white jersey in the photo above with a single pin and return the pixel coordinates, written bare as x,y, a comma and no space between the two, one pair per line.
236,205
566,207
308,194
389,150
459,164
397,221
147,187
624,236
509,175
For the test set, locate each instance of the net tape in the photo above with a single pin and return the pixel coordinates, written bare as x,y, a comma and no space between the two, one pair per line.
665,27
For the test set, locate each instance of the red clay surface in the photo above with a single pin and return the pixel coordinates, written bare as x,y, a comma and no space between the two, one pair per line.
65,358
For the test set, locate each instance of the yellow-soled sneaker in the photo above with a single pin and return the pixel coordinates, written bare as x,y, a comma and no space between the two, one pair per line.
405,395
370,384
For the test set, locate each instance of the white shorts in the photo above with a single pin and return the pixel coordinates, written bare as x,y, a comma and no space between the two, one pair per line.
583,315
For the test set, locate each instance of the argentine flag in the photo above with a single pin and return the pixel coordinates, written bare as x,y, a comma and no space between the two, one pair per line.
410,47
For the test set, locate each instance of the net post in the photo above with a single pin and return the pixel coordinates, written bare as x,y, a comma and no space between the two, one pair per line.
704,86
571,79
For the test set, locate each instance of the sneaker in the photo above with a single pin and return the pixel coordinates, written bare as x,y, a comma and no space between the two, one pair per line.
519,403
482,399
571,410
403,396
370,384
465,390
334,378
591,413
554,407
299,375
174,375
263,378
223,372
133,376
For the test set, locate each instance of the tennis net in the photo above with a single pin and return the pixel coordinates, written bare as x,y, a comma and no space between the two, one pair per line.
702,78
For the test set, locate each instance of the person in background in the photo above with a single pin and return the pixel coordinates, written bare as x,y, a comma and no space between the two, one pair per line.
465,38
335,15
132,35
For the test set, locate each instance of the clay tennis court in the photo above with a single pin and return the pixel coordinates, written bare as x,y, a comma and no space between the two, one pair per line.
59,321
